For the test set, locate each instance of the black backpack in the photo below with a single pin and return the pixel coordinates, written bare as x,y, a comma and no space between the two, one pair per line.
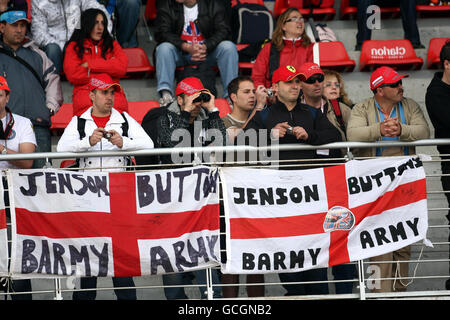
251,23
150,125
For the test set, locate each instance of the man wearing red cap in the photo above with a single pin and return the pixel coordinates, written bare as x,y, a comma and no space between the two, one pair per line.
16,136
388,116
292,122
104,129
192,120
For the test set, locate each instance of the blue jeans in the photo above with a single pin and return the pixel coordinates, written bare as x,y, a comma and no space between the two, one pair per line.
409,20
91,282
168,57
185,278
54,53
127,20
44,144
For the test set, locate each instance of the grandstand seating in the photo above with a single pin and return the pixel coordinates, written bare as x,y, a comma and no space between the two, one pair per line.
150,10
347,12
138,63
398,54
223,106
333,56
138,109
434,49
325,12
62,118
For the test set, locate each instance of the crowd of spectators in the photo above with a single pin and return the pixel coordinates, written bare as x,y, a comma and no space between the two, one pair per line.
286,94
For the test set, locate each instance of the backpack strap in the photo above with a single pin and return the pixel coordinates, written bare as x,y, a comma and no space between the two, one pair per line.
274,60
337,112
82,123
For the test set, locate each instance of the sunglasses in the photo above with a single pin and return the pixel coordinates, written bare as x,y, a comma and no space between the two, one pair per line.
295,19
313,79
392,85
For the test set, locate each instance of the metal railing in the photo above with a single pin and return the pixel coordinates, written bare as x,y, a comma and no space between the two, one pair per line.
429,266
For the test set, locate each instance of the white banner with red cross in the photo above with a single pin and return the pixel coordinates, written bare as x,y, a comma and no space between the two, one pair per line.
3,236
295,220
113,224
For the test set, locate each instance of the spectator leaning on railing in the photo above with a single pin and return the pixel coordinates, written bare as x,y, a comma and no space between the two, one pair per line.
388,116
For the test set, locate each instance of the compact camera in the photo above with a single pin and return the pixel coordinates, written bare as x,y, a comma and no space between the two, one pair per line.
289,131
270,93
107,135
203,97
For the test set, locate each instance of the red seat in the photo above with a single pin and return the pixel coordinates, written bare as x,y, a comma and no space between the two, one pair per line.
398,54
334,56
261,2
62,118
434,50
67,163
433,11
223,106
138,63
244,67
347,12
138,109
325,12
150,10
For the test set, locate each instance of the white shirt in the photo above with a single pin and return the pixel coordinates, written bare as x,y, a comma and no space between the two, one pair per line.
191,33
22,132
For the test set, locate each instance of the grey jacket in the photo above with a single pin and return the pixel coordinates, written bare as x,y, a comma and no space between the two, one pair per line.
29,97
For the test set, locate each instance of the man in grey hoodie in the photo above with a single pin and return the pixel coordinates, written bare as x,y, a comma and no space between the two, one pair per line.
437,102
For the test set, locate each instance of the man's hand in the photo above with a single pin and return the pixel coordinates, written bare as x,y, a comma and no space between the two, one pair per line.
209,105
279,131
261,97
96,136
116,139
188,102
300,133
199,52
390,127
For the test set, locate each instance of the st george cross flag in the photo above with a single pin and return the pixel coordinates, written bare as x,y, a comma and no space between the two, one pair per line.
295,220
3,236
114,224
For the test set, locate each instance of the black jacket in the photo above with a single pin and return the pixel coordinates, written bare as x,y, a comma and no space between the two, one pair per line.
212,22
437,101
319,128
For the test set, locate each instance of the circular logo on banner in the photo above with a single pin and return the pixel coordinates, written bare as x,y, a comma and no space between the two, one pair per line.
338,218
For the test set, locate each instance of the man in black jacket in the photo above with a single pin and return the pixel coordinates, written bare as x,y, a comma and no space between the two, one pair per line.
437,102
292,122
190,32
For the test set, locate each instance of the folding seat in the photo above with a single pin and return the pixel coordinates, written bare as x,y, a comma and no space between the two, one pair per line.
223,106
61,119
348,12
138,109
150,10
323,13
433,11
434,50
332,55
138,63
398,54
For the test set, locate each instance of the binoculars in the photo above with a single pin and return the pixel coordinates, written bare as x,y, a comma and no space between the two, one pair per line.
203,97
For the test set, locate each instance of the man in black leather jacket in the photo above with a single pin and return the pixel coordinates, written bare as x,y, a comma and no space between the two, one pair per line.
192,32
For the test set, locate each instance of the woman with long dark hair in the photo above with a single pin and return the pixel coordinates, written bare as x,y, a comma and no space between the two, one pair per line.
92,50
289,46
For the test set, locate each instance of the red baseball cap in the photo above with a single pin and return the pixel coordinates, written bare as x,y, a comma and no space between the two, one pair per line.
4,84
309,69
190,86
102,82
284,73
385,75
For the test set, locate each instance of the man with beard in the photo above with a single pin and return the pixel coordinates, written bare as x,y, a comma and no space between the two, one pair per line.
388,116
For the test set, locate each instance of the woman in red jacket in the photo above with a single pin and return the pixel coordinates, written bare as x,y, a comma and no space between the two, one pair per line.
293,47
92,50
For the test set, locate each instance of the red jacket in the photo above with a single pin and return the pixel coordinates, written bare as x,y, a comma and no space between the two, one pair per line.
292,54
115,65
